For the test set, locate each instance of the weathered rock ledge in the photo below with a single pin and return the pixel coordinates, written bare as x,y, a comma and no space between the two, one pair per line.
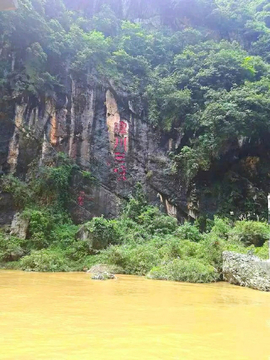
246,270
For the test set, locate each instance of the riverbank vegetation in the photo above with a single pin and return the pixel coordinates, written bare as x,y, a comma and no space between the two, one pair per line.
142,241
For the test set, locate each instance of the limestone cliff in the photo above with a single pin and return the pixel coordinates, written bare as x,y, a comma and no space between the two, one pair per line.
101,133
138,91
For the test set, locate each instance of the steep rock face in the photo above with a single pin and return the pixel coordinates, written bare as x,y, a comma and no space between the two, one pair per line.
102,134
7,209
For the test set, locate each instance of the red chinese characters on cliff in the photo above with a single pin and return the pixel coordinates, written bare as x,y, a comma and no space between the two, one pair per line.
81,198
120,149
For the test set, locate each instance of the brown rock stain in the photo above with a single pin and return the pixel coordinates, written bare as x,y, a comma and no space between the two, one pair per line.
53,134
113,117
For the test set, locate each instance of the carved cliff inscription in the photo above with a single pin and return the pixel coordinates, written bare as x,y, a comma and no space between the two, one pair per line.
118,137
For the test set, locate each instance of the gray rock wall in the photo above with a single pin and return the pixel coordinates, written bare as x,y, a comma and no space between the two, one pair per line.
105,134
246,270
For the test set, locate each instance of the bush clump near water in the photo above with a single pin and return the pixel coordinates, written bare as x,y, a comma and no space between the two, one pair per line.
44,261
193,270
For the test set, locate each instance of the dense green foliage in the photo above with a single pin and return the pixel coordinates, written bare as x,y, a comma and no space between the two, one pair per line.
151,243
199,72
185,270
47,185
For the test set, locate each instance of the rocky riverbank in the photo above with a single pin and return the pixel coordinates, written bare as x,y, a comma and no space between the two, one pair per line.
246,270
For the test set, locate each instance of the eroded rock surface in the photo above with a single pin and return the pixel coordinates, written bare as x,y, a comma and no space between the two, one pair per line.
104,133
246,270
19,226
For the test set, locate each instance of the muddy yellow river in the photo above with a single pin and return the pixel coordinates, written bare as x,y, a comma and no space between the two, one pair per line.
70,316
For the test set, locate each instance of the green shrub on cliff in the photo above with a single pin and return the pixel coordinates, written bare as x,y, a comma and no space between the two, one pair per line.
77,251
63,235
11,248
130,232
154,222
40,228
251,232
102,231
20,190
48,226
188,232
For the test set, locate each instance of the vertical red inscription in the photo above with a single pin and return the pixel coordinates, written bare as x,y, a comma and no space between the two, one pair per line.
81,198
120,149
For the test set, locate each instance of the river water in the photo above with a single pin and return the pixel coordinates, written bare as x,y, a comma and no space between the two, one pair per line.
69,316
